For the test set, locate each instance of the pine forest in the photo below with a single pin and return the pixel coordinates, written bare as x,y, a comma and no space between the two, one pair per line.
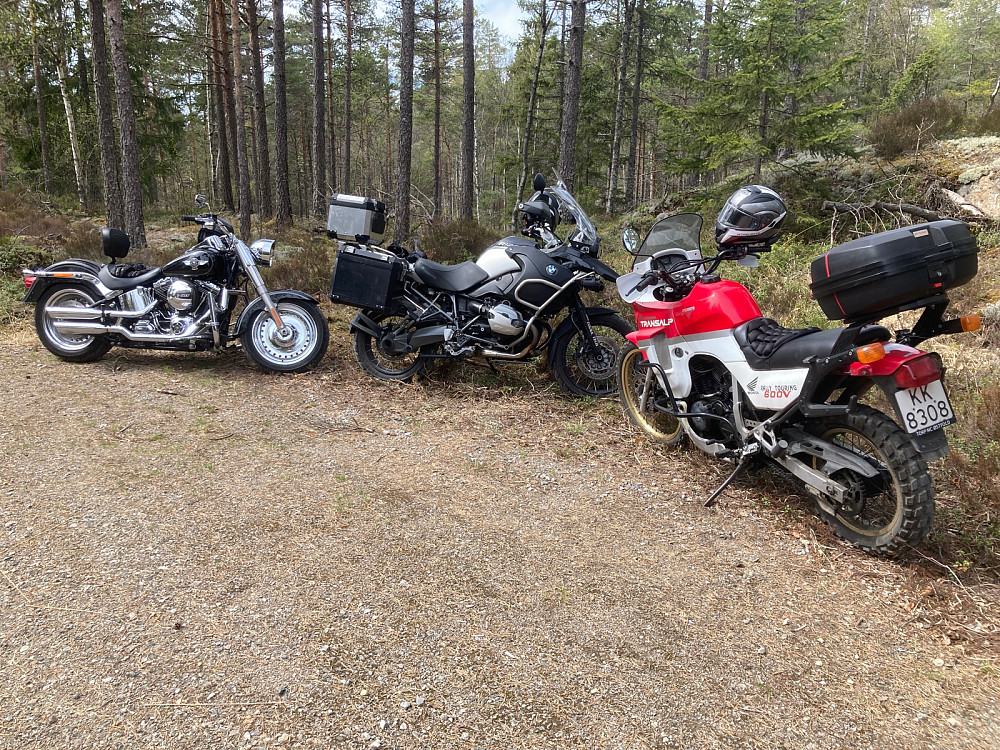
132,107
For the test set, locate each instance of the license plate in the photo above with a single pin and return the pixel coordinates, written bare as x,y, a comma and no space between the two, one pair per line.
925,408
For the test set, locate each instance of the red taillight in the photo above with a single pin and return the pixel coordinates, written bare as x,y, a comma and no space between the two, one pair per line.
28,281
918,371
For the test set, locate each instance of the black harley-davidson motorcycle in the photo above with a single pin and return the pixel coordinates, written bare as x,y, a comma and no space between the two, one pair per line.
83,308
503,306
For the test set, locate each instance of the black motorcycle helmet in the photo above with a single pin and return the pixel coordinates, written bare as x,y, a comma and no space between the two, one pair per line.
541,208
752,214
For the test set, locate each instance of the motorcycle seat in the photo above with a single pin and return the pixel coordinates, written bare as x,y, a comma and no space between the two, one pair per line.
108,276
457,278
768,345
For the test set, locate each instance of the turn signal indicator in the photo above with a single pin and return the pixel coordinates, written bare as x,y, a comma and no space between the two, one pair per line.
870,353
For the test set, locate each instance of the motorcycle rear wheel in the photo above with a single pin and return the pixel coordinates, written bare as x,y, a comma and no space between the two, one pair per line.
885,514
381,364
72,347
638,390
587,372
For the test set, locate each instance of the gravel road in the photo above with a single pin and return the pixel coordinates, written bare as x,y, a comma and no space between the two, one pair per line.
197,555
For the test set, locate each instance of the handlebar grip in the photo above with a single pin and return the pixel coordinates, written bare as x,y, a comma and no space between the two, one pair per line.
189,218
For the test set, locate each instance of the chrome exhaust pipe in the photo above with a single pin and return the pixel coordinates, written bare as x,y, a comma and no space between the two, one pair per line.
94,313
495,354
97,329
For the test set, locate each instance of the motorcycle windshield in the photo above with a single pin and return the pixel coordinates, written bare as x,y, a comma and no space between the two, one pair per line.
680,231
572,213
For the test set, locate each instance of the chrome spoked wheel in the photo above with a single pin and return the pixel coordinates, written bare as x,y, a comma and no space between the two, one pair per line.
75,347
296,345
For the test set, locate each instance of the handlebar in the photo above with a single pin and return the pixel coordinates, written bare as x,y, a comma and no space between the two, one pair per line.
190,218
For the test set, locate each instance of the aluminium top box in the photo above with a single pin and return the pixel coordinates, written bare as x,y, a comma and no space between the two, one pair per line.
885,273
354,218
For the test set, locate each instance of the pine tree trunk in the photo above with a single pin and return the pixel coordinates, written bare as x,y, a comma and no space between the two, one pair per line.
74,144
544,21
318,201
43,125
81,58
131,175
282,195
466,184
616,138
571,104
408,31
705,29
265,204
633,147
222,18
331,109
219,87
243,168
437,198
114,207
348,75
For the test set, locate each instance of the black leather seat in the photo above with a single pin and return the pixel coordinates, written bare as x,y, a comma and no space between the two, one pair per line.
768,345
458,278
111,281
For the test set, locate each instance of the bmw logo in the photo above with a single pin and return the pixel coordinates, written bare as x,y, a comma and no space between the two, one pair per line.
550,270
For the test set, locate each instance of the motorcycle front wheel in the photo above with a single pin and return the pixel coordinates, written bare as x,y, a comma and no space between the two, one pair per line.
589,367
378,362
72,347
639,391
888,512
295,347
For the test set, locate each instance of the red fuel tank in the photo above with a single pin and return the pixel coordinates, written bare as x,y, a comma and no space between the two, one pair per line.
716,306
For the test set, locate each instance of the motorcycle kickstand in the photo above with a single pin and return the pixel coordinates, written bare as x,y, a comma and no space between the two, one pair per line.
736,472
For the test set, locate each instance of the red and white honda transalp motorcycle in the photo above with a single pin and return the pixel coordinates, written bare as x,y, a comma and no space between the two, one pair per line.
706,365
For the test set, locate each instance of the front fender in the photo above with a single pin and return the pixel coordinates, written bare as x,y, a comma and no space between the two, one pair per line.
569,325
258,304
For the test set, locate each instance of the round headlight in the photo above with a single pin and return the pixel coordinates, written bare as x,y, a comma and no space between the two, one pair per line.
263,251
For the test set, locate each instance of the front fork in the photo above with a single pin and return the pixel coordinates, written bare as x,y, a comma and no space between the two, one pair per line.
250,268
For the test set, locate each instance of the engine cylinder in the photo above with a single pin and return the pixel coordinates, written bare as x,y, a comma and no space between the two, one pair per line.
181,295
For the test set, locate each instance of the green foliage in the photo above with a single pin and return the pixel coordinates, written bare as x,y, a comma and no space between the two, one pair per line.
908,129
456,241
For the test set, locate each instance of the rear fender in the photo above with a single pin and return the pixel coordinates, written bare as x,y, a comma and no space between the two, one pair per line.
931,445
73,269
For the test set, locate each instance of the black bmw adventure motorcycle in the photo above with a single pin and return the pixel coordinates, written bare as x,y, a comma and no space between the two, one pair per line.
83,308
503,306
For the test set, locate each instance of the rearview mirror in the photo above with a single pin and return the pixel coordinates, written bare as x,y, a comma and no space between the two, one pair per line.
630,239
200,200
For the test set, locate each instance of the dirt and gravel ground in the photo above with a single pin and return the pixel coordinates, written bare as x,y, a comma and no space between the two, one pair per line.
196,555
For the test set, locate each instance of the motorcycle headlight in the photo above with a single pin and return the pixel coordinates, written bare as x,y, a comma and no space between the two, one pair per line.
262,251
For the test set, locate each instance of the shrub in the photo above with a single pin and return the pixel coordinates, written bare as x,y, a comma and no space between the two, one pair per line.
456,241
907,129
988,124
306,268
15,255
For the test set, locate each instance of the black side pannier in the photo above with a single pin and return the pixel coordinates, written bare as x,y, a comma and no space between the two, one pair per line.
902,269
365,279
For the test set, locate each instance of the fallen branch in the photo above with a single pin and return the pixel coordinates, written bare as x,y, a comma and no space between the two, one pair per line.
906,208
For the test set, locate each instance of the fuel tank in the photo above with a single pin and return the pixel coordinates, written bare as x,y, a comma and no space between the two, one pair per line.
710,307
520,271
195,263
